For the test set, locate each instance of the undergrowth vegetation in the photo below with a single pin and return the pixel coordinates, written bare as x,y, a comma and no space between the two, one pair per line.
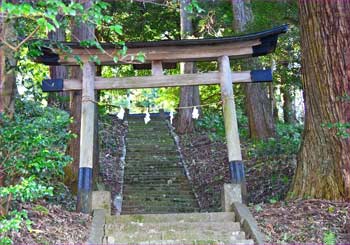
33,157
286,142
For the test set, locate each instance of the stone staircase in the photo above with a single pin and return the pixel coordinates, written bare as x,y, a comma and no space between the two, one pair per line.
154,180
159,206
182,228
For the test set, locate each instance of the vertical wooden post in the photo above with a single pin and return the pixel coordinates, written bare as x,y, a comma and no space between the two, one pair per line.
231,127
86,139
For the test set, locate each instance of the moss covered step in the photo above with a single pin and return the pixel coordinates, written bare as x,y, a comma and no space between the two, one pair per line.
156,180
158,161
152,171
157,197
158,210
169,151
149,140
168,230
173,218
111,240
159,192
143,157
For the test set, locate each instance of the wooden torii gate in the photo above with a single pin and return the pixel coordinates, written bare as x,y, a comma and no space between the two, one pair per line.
161,54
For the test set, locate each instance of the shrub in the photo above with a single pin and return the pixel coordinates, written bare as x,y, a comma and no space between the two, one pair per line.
32,154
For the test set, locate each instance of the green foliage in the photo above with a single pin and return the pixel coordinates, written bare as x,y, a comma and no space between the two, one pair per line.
287,142
27,190
13,221
34,143
329,238
33,158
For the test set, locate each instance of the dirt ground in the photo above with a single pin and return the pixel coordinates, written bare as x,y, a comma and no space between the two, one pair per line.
53,224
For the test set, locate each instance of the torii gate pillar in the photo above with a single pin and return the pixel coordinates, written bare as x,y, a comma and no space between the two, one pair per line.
88,108
236,191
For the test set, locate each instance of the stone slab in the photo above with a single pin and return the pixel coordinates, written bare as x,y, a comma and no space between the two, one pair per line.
248,223
97,227
231,193
101,200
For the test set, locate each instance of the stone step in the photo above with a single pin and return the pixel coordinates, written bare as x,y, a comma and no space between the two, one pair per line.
152,171
158,210
150,182
173,218
132,151
155,162
170,196
157,192
161,176
193,242
151,148
153,136
140,157
112,240
169,231
158,140
154,207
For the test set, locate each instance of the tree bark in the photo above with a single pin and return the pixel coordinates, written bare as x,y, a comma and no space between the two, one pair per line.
7,73
58,99
323,169
81,31
289,113
258,106
189,95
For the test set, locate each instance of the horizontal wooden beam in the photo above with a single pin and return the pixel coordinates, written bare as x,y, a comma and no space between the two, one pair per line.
165,54
158,81
167,51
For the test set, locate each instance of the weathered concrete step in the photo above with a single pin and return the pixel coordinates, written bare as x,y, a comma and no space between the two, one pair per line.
152,177
145,207
159,192
143,128
150,140
151,171
153,145
171,186
145,197
158,210
183,241
155,160
131,151
171,181
188,230
173,218
154,136
151,148
111,240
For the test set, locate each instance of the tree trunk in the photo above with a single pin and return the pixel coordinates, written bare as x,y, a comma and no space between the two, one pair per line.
261,123
7,73
189,95
58,99
289,113
323,169
258,106
80,32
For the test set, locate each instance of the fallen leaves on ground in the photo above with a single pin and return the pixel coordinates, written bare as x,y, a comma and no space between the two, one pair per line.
111,133
52,224
304,221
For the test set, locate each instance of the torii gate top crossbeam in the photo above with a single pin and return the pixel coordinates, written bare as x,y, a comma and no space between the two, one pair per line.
172,51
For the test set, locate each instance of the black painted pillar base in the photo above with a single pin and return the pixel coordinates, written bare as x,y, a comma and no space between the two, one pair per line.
84,190
237,175
237,172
